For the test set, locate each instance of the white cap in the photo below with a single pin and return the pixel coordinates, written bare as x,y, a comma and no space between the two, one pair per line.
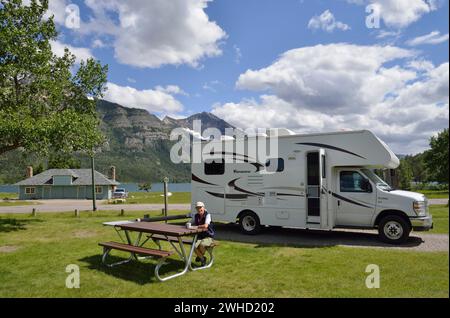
200,205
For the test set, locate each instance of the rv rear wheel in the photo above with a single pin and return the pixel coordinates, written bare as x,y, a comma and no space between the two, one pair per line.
394,229
249,223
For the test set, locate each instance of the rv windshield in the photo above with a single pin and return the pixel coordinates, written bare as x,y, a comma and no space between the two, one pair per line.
377,180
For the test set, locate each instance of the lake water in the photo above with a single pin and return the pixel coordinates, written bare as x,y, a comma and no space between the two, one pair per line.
158,187
130,187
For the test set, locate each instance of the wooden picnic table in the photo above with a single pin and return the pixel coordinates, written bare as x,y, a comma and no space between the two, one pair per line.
160,228
156,232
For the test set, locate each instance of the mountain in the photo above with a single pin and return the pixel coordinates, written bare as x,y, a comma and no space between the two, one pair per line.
137,143
135,129
208,120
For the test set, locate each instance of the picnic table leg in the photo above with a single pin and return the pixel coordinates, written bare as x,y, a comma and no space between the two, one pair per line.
118,233
187,260
106,252
138,243
127,235
180,252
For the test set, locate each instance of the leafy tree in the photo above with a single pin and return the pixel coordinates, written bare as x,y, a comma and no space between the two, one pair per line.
436,159
63,161
419,170
147,187
417,166
45,105
405,175
38,168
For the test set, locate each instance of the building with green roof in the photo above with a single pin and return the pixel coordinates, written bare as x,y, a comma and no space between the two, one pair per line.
66,184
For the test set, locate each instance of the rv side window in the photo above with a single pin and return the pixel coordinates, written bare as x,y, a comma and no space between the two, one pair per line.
215,167
352,181
275,165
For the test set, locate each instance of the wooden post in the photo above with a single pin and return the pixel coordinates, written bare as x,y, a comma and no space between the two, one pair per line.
77,213
166,196
94,194
33,212
122,212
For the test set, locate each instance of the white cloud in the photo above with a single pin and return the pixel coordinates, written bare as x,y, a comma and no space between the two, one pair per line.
420,65
155,33
382,34
152,100
79,52
211,86
332,77
327,22
309,92
172,90
98,44
400,13
434,37
271,111
56,8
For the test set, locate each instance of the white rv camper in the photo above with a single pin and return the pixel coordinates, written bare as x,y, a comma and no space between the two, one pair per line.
320,181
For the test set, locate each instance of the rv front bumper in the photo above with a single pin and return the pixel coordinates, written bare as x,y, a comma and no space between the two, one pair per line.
422,223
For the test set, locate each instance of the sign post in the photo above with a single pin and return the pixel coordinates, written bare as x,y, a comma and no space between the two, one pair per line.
94,203
166,197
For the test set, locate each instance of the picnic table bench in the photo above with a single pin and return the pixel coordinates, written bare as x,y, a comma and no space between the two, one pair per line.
134,250
210,249
156,232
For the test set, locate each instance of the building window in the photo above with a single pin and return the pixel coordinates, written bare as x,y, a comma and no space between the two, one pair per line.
98,190
30,191
215,167
275,165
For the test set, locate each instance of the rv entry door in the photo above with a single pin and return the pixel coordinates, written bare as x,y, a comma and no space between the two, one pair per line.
315,178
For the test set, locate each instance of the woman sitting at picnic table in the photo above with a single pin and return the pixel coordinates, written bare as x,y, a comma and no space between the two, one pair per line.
202,219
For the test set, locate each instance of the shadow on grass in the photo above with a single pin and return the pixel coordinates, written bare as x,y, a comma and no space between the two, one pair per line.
13,225
277,236
139,272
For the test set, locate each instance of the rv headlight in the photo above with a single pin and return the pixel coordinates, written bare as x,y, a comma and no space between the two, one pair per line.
420,207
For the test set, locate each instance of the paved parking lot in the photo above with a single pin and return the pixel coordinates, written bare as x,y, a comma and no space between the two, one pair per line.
418,241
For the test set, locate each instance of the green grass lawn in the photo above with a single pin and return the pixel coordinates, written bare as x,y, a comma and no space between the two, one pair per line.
11,199
440,218
157,198
34,253
16,203
431,194
8,196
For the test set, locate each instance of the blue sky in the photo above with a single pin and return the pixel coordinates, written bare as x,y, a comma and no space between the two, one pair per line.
261,62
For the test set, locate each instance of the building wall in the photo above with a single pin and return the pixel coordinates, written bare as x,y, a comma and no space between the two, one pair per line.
64,192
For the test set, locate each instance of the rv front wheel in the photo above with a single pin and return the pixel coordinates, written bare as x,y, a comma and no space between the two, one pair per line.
394,229
249,223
